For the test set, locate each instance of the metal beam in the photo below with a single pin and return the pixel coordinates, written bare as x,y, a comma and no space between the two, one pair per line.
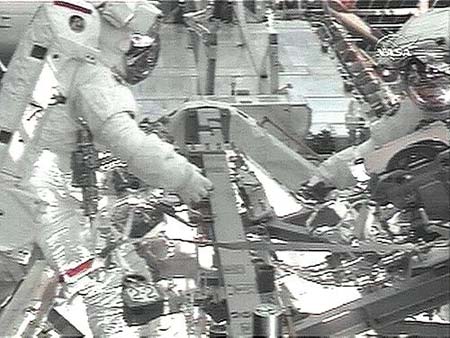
316,246
62,325
236,267
382,308
30,302
413,328
289,231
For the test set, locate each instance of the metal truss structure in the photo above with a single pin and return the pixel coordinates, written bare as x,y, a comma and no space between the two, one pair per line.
384,310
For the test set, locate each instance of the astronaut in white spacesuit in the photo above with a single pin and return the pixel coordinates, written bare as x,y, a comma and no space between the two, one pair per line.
97,92
426,83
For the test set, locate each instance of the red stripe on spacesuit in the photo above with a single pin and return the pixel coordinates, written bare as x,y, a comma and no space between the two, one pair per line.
79,269
342,5
73,6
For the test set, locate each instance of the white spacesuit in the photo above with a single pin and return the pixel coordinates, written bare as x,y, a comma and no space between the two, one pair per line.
97,49
426,81
129,52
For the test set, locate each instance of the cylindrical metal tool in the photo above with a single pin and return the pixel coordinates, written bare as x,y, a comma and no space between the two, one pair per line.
267,321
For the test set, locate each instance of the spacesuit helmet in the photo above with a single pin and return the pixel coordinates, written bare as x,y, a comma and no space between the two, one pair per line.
427,83
132,33
426,69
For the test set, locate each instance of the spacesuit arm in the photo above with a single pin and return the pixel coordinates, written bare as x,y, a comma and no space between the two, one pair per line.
336,169
108,113
148,157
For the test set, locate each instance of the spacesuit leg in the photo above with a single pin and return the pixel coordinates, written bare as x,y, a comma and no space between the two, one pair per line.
103,293
66,242
63,235
102,297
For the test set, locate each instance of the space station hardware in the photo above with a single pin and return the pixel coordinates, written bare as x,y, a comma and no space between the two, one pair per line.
32,301
390,256
379,209
322,143
267,321
252,193
361,75
204,26
255,10
84,164
416,177
236,269
223,10
142,300
363,239
286,119
203,33
244,132
290,9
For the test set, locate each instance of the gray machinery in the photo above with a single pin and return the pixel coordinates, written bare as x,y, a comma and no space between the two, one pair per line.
206,146
263,55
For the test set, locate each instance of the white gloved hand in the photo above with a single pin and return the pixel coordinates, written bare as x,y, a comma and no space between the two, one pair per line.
197,187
